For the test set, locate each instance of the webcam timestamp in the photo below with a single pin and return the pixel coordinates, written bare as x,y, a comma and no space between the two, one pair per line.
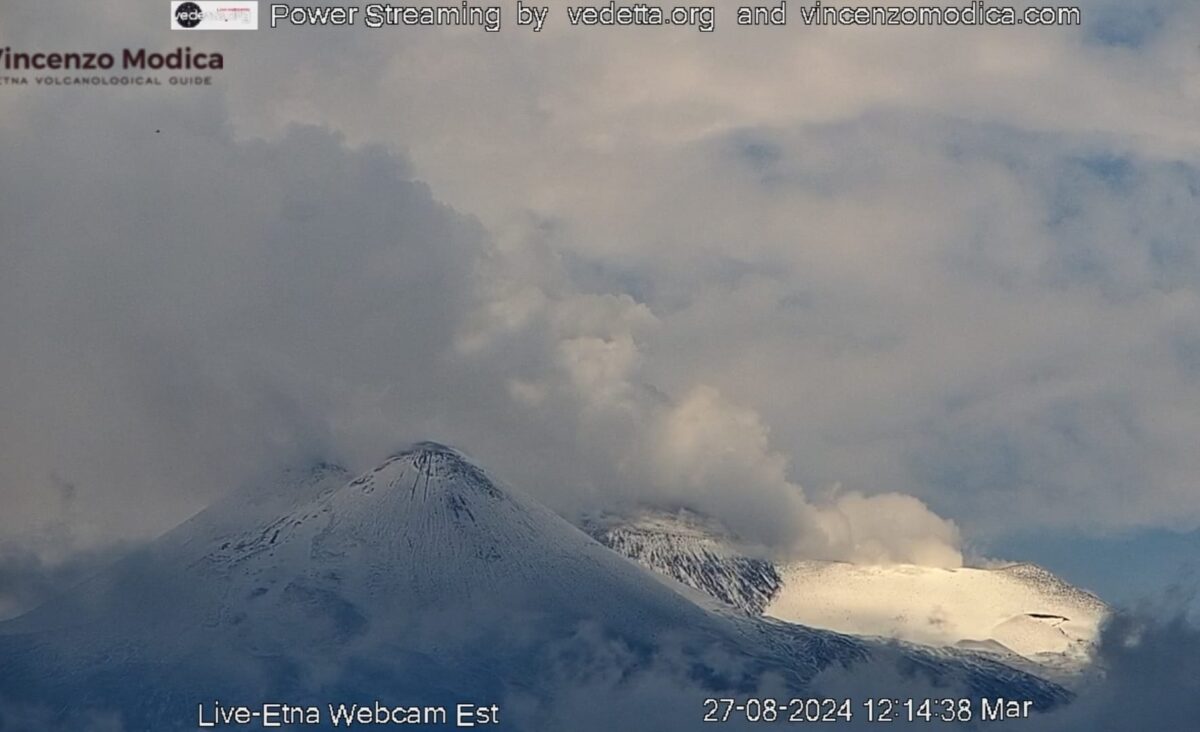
879,710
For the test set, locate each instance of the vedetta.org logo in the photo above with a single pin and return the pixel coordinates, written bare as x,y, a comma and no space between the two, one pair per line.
208,15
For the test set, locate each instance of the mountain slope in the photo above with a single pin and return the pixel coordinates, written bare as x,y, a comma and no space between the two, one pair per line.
687,549
424,582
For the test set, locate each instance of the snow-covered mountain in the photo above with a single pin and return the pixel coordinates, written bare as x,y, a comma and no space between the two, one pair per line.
421,581
1020,610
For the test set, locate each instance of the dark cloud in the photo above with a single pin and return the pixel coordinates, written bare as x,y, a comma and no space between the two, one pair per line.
1146,676
184,310
1149,661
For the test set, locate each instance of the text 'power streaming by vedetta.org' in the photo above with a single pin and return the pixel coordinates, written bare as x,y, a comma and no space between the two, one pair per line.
701,17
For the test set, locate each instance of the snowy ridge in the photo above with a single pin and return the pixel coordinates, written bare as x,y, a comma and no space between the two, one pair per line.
1050,585
688,550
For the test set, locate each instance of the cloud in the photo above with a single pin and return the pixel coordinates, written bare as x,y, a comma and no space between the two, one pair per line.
695,448
1149,673
210,308
703,272
183,310
969,282
27,578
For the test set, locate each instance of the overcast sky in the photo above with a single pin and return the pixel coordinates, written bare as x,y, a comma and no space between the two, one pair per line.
867,294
